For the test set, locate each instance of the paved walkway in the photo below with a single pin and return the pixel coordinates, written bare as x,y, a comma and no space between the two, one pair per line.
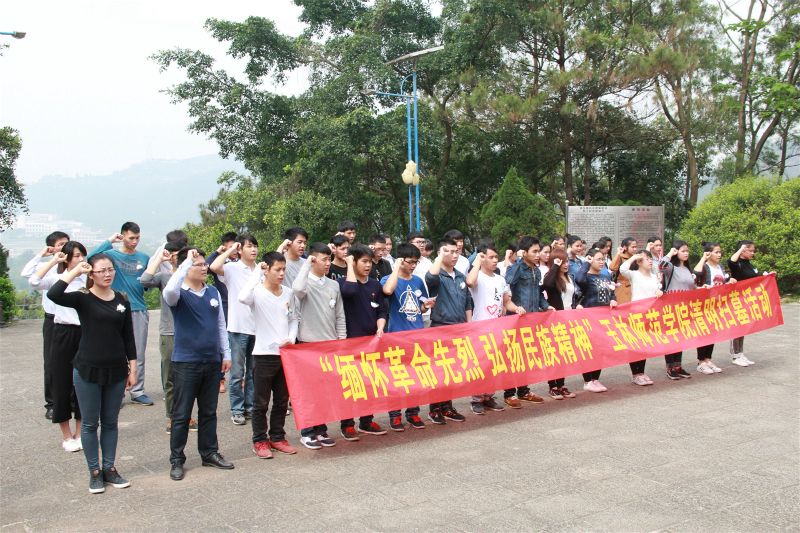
712,453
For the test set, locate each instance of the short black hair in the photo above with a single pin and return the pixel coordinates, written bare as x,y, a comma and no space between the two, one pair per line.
654,238
338,240
455,235
572,239
54,237
593,252
741,243
415,235
556,238
270,258
319,248
627,241
244,238
227,237
428,245
173,246
526,242
345,225
359,250
293,232
133,227
184,253
484,245
405,250
179,236
377,238
447,241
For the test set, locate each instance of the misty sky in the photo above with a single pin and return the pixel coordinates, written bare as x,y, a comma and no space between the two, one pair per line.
82,92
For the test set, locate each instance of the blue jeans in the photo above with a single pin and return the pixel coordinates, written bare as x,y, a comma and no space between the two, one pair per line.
194,381
99,403
242,346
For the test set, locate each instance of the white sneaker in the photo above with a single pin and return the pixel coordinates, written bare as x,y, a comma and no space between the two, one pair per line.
746,360
594,386
740,360
640,380
647,378
70,445
713,367
703,368
79,443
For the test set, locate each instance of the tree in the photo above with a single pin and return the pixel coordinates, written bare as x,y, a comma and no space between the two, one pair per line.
12,192
752,208
514,211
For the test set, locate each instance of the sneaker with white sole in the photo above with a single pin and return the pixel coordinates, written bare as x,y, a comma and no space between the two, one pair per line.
704,368
713,367
740,360
325,440
746,360
641,380
311,443
594,386
70,445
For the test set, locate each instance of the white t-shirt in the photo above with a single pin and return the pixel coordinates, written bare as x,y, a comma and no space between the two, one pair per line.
420,270
642,286
462,265
566,296
61,314
275,316
717,274
240,316
487,296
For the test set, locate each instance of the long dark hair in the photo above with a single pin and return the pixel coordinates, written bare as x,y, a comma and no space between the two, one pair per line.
68,249
558,253
674,259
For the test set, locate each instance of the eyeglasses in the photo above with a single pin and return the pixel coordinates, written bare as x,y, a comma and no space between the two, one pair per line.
104,271
411,261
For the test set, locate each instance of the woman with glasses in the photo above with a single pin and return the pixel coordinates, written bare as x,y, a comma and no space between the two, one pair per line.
104,365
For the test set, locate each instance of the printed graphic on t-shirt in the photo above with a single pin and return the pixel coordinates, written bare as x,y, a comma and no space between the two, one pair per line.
409,305
604,289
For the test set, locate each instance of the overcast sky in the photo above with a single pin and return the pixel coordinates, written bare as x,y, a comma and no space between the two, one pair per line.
82,92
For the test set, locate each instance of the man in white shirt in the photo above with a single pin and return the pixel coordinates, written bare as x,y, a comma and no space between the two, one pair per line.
53,244
241,325
276,326
491,296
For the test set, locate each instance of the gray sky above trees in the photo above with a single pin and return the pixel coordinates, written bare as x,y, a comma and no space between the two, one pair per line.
85,95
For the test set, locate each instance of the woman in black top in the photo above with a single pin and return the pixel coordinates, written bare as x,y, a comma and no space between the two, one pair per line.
562,293
104,364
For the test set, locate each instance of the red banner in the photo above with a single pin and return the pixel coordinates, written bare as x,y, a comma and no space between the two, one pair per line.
334,380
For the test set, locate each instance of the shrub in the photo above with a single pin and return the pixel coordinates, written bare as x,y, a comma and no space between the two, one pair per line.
7,299
752,208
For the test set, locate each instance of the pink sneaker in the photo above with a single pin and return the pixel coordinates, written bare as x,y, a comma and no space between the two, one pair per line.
261,449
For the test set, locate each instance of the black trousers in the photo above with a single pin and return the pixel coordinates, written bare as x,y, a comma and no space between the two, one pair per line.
47,340
516,391
269,381
637,367
673,359
64,346
589,376
194,381
704,352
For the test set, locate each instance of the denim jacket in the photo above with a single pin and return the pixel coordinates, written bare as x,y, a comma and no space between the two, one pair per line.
525,283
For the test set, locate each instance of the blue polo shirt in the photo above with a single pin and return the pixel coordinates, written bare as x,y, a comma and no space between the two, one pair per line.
129,268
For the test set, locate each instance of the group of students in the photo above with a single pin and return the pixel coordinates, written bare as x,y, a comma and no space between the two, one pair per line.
96,322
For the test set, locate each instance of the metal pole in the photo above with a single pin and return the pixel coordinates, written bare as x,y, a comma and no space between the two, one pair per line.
408,135
416,139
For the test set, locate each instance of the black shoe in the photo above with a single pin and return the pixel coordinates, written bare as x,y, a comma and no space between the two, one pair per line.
436,417
248,414
452,414
683,373
217,461
672,373
48,414
176,472
112,477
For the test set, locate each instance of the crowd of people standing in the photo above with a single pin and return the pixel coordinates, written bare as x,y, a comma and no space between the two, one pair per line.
231,311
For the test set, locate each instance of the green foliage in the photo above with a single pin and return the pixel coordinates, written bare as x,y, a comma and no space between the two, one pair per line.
12,193
3,261
513,211
753,209
29,305
7,299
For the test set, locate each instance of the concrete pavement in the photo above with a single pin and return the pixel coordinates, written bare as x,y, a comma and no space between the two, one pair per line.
711,453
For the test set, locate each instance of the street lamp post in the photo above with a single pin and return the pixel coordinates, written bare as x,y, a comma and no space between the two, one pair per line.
411,100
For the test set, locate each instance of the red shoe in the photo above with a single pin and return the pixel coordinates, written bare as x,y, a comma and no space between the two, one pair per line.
261,449
350,433
373,429
396,424
282,446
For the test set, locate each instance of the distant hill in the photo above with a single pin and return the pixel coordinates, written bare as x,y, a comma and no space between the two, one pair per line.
159,195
